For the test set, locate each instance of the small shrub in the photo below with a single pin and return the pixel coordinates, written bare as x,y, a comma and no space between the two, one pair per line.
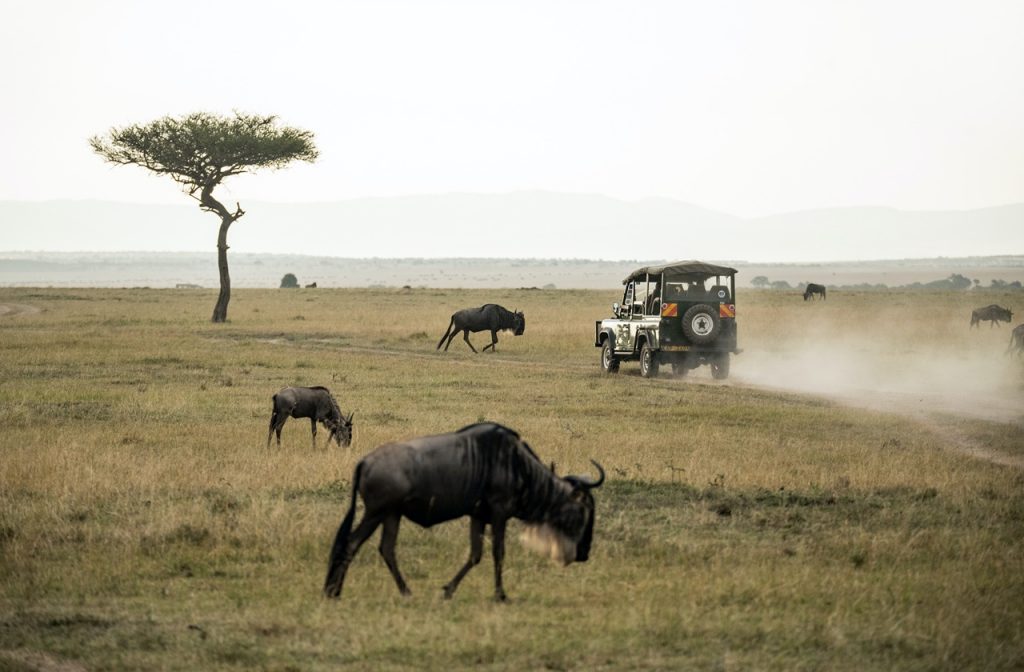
289,281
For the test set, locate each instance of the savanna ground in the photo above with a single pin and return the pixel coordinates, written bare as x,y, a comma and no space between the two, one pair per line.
771,521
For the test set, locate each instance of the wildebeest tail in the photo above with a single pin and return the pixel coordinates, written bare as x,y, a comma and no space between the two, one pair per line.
447,331
331,587
273,419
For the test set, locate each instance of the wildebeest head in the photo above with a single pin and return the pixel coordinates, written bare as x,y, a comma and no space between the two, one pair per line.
568,531
519,321
341,429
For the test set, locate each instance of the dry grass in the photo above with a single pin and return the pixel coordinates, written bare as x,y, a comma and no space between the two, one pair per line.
745,524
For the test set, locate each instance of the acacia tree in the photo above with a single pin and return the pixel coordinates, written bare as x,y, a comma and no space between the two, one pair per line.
198,152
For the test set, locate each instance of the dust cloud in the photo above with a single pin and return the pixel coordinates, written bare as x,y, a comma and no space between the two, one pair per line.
888,366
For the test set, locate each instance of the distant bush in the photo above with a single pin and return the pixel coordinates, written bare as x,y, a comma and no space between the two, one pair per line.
289,281
1002,284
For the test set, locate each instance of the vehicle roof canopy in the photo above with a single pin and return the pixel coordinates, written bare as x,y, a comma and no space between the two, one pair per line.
681,268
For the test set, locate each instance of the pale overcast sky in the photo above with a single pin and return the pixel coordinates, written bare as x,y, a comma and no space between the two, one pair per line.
747,107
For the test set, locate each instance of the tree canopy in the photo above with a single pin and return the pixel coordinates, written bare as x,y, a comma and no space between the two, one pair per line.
199,151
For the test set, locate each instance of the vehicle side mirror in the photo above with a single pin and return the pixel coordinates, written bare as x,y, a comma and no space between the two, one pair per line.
615,309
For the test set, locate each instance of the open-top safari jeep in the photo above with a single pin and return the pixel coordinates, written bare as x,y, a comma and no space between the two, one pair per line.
683,314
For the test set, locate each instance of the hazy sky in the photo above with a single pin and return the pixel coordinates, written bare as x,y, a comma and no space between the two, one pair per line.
748,107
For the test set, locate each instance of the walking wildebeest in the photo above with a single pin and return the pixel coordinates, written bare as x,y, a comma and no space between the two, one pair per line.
315,403
1017,340
488,317
484,471
992,313
813,288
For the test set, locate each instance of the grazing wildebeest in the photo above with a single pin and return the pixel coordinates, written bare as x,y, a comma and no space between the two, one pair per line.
1017,340
315,403
814,288
488,317
484,471
993,313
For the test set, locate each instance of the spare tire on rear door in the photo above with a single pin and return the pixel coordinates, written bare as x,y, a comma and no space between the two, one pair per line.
701,324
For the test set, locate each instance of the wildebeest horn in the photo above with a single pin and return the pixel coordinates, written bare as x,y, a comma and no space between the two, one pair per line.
584,482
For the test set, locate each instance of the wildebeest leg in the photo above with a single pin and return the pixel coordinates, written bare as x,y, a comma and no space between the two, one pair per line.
450,339
336,573
494,340
450,324
278,424
476,551
465,337
270,431
498,550
312,421
388,537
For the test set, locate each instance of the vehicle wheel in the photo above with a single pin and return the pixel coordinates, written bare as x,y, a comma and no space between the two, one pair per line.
609,362
701,324
648,361
720,366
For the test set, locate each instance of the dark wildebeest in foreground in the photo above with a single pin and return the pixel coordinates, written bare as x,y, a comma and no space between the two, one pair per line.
484,471
315,403
1017,340
488,317
812,289
992,313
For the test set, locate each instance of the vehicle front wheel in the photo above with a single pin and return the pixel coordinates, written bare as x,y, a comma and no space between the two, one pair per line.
609,362
648,361
720,366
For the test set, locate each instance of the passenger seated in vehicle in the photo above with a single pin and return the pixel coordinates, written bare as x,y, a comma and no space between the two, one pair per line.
696,290
654,302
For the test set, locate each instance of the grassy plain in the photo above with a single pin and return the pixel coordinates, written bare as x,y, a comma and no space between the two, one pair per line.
145,525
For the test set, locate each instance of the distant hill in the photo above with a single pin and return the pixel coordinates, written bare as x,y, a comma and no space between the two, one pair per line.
170,269
529,224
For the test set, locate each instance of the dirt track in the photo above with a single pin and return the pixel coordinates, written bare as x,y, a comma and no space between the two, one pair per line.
937,411
13,309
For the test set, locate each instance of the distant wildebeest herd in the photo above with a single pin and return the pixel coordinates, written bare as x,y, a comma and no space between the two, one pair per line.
485,471
993,314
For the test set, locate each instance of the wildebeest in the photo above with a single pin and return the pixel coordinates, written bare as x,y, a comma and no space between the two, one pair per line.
484,471
814,288
1017,340
488,317
993,313
315,403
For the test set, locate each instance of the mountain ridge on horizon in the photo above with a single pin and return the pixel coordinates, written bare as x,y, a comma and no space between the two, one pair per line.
532,192
523,224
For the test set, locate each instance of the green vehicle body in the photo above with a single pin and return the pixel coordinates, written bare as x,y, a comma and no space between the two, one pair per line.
681,314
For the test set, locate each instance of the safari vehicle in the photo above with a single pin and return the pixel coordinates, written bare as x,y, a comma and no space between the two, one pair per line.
683,314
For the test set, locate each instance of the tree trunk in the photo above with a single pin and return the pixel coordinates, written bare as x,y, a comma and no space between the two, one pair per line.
227,218
220,311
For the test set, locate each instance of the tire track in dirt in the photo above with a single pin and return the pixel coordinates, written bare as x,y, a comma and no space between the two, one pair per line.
14,309
935,414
